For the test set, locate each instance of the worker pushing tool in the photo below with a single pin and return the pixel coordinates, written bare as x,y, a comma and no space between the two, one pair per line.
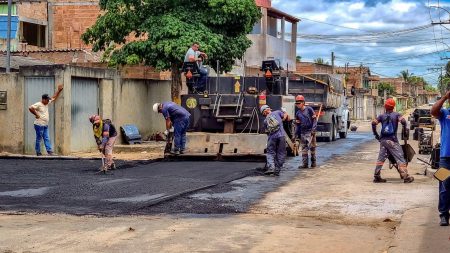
276,143
105,135
306,121
178,118
389,142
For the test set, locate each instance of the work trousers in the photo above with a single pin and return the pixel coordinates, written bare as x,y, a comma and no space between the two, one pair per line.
108,149
42,133
391,147
180,129
308,143
276,153
444,189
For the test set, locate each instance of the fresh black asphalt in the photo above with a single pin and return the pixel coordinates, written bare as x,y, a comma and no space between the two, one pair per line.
71,186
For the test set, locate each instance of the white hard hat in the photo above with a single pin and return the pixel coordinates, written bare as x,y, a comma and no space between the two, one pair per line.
155,107
263,108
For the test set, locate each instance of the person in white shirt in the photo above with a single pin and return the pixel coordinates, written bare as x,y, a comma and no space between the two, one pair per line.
40,111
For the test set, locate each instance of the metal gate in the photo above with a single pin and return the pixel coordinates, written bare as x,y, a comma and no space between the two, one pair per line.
84,95
34,88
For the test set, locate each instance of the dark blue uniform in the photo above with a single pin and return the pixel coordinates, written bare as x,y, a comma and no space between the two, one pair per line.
276,144
180,121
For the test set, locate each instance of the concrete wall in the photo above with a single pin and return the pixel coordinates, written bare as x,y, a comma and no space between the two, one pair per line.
11,120
268,47
133,104
122,100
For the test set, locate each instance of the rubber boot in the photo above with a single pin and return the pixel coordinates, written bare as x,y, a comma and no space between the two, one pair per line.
408,179
313,164
277,172
378,179
269,171
444,220
304,166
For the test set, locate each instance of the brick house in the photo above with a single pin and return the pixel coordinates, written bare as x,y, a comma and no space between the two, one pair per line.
48,24
313,68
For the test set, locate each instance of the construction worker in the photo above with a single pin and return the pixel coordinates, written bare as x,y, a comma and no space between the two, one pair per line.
389,143
276,143
40,111
305,118
443,115
105,135
195,55
178,118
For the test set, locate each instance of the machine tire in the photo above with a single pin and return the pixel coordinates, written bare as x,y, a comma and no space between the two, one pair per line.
330,138
334,132
411,127
343,135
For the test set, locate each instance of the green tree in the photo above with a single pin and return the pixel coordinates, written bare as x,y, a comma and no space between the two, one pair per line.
389,88
444,81
164,30
406,75
298,58
320,61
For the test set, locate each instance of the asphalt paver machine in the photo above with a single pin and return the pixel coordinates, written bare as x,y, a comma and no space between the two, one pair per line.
225,117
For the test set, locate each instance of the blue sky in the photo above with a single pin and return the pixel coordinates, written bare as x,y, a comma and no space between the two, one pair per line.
361,32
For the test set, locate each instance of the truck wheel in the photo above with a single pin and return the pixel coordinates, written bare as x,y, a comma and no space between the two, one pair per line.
411,127
330,138
334,132
343,135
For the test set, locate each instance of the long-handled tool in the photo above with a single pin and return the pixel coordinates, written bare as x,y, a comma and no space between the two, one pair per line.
104,168
317,120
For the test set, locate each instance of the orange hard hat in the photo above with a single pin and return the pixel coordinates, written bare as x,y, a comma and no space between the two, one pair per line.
299,98
389,104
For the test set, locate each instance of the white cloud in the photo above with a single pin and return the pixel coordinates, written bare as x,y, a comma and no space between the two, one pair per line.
401,6
404,49
356,6
370,16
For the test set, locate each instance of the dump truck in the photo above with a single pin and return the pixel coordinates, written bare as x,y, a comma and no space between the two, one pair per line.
324,93
225,116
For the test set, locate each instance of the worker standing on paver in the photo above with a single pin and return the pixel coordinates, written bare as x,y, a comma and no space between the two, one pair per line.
40,111
105,135
178,118
443,115
389,142
305,118
276,143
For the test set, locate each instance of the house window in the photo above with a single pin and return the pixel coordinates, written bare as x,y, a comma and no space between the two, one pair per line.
256,28
33,34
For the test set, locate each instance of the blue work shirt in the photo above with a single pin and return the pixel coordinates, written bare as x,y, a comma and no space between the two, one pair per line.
306,118
174,112
444,120
395,119
278,115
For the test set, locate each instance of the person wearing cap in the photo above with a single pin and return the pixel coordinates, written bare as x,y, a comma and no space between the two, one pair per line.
105,135
178,118
443,115
306,124
276,143
40,112
389,142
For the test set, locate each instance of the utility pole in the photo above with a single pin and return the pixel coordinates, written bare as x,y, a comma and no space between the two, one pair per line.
332,62
8,40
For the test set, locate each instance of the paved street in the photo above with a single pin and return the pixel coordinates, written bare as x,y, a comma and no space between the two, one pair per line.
239,210
71,186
